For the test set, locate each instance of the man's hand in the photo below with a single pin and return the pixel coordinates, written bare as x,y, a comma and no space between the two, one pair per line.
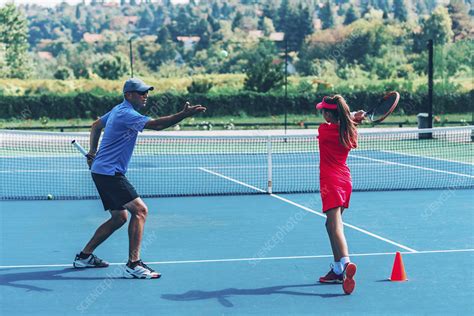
358,116
90,159
190,110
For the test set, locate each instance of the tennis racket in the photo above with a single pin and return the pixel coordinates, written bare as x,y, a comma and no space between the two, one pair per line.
79,147
383,108
90,158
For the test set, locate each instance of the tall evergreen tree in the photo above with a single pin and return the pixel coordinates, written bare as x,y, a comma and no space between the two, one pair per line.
215,10
182,22
326,15
384,6
351,16
78,12
283,16
164,36
237,20
146,19
226,10
303,26
213,23
159,18
269,11
202,27
400,10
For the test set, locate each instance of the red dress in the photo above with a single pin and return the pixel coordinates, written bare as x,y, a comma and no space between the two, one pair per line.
334,174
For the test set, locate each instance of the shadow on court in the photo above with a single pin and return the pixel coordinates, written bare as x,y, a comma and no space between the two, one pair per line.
51,275
222,295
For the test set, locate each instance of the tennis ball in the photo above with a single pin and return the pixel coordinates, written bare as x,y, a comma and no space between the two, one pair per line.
223,53
50,196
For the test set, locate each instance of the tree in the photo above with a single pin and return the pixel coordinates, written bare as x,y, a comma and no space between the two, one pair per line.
216,10
400,11
438,27
269,11
226,10
304,23
159,18
213,23
326,15
264,75
267,26
63,73
203,30
14,43
351,16
383,5
237,20
146,19
78,12
111,67
182,22
461,22
283,16
163,36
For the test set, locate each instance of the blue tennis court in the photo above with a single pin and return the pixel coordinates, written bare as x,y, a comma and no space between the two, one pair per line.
240,253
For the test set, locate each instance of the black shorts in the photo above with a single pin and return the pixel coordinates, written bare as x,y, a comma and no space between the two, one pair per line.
115,191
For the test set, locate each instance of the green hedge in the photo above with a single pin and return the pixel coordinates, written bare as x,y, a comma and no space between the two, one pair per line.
245,103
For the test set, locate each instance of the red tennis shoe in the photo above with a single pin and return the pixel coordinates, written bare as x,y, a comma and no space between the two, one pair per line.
332,278
348,283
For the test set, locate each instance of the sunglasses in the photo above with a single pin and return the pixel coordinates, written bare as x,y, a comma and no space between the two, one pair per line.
141,92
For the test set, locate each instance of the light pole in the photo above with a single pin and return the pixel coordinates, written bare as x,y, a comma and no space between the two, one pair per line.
280,37
131,53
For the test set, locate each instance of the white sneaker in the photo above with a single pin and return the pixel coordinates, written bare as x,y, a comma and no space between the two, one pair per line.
140,271
90,262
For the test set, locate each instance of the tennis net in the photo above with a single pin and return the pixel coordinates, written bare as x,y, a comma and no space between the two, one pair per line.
36,164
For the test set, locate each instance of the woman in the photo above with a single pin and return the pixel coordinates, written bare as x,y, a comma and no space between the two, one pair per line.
336,138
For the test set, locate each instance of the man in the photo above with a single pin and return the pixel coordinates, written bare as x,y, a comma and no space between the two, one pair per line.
108,169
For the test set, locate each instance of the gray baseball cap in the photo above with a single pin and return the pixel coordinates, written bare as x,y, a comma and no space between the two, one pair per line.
135,84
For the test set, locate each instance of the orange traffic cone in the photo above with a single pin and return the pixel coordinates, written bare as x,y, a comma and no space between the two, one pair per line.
398,271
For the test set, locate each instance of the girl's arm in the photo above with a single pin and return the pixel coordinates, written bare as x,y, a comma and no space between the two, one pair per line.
358,116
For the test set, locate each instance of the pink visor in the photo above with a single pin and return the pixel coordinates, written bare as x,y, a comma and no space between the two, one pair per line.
324,105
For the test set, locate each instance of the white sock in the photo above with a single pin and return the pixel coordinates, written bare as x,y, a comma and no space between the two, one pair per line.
338,267
344,261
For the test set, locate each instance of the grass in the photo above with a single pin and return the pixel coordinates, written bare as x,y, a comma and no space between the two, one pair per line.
232,122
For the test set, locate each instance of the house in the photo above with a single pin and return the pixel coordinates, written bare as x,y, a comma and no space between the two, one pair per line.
45,55
188,41
92,38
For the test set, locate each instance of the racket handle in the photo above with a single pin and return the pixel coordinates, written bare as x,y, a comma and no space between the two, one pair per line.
79,147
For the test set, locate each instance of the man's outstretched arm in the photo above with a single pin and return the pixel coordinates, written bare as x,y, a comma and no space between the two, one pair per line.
167,121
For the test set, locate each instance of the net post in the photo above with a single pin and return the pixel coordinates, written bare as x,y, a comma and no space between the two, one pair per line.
269,163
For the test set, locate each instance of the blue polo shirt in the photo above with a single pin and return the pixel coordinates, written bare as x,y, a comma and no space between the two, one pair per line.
122,125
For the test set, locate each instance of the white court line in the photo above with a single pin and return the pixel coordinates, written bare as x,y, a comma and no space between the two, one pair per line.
247,259
413,166
233,180
309,210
